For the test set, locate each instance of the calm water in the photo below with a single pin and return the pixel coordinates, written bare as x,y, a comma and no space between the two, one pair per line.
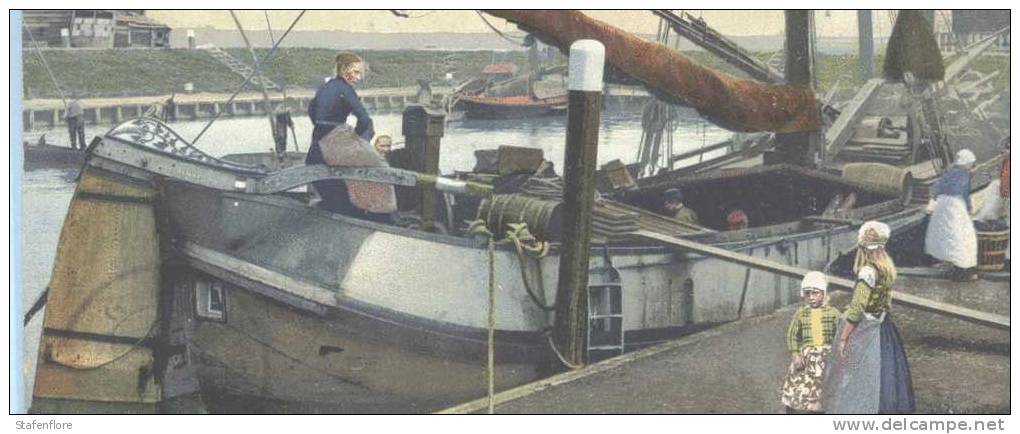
46,193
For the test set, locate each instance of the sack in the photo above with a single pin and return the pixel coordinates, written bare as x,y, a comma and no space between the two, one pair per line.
342,147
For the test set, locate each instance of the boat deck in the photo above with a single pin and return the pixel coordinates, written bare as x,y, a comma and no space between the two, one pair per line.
738,367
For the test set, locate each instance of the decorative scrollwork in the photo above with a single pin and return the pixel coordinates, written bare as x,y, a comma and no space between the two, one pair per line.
155,135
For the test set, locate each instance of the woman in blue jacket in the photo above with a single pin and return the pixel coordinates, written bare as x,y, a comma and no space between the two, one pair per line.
951,236
330,107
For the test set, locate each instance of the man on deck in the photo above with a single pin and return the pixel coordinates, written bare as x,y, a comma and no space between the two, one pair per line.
674,204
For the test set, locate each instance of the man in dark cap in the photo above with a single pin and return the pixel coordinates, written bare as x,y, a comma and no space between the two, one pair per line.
674,204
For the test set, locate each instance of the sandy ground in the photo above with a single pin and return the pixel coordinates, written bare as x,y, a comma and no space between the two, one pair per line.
738,368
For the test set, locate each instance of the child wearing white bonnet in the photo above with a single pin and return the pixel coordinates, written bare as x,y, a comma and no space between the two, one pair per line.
809,339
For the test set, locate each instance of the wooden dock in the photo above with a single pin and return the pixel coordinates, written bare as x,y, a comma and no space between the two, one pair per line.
48,113
738,367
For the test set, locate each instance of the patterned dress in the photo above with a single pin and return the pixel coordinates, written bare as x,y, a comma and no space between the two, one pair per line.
810,334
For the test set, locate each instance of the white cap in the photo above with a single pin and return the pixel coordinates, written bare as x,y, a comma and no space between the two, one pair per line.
587,60
815,280
873,234
965,157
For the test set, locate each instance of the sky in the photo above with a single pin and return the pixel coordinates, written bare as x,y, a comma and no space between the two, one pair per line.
835,23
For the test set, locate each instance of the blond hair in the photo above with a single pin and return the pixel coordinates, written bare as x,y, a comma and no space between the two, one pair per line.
878,259
345,62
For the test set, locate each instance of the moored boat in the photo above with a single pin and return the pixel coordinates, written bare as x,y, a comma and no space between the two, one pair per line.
245,289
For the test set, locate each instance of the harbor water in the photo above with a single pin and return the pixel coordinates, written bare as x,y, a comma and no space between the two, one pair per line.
46,193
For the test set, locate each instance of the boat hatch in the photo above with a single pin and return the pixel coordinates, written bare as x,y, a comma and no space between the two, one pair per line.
768,195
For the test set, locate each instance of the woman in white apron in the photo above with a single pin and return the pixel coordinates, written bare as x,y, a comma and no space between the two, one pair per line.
951,237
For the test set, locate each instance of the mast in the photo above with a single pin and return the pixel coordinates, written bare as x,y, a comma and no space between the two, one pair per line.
797,148
865,45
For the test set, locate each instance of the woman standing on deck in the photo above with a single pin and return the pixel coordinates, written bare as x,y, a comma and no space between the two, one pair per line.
867,371
951,235
330,107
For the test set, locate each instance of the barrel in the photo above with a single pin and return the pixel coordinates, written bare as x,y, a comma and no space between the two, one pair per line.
542,216
992,247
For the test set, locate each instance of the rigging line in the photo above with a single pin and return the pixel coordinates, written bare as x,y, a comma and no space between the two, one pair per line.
270,27
248,79
272,38
46,66
258,71
501,34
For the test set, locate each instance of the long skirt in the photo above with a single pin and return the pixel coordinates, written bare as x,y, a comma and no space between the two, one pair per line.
875,378
802,390
951,235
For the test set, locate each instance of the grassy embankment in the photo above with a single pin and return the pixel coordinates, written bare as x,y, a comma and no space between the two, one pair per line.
112,73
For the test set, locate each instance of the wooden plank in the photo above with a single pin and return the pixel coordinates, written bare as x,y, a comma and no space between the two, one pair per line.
842,128
298,288
909,300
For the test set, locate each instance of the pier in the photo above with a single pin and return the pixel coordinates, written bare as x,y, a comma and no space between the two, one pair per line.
48,113
738,367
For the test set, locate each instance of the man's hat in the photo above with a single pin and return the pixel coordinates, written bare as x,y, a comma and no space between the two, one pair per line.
673,194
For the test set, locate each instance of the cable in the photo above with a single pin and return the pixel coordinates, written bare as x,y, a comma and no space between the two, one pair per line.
501,34
45,65
247,79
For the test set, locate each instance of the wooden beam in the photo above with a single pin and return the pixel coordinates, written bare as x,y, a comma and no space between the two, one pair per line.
899,297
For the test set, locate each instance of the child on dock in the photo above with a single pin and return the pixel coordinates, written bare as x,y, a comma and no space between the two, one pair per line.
809,339
868,371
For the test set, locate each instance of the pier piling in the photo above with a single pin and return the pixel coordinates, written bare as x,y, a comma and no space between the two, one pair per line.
422,131
587,60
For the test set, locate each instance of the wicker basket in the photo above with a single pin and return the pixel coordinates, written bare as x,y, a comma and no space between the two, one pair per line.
992,247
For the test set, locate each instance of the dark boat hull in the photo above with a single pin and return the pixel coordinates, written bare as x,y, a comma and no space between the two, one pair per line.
481,108
48,156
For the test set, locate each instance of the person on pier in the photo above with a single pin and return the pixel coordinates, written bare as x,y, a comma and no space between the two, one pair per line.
950,236
809,340
332,104
674,203
75,116
867,372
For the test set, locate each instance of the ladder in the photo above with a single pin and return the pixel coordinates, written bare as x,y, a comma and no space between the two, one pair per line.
237,66
605,313
698,31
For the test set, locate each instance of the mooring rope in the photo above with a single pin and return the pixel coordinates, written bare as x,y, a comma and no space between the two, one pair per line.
479,228
46,65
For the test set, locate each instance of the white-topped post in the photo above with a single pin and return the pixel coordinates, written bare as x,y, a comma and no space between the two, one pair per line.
587,60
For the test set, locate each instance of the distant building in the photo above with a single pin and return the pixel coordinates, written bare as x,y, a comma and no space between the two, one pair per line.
970,26
97,28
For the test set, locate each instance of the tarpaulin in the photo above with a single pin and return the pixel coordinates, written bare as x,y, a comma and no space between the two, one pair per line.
732,103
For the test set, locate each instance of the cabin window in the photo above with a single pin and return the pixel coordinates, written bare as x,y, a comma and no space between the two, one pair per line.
210,300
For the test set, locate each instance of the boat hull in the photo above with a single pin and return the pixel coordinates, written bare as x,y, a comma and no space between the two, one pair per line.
483,108
399,321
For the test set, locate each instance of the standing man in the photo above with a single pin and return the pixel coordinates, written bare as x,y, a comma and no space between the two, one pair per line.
170,108
332,104
75,116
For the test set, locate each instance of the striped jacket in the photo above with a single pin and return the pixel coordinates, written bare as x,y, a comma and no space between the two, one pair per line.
812,327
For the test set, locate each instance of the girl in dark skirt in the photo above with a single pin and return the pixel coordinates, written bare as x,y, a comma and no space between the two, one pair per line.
868,372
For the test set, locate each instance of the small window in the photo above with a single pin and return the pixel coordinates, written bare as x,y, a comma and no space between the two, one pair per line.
210,300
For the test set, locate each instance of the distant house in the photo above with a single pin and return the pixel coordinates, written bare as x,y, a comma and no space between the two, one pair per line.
97,28
970,26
